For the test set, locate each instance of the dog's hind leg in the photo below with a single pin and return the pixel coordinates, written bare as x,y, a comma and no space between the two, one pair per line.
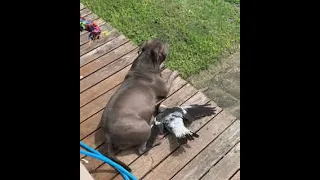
110,153
142,148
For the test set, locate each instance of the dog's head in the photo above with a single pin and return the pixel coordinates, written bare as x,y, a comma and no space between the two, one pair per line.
156,49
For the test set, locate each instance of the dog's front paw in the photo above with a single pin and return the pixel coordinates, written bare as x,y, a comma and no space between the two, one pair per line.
162,66
174,74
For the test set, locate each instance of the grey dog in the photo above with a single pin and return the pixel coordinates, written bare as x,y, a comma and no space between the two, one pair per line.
126,120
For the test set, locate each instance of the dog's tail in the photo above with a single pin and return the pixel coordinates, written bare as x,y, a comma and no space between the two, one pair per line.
110,153
115,159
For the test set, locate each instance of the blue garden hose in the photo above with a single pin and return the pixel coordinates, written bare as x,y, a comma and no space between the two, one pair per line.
105,160
95,154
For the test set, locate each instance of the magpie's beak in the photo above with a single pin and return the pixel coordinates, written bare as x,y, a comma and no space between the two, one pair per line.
161,127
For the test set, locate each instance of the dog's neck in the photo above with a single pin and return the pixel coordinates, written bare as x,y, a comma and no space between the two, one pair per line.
144,64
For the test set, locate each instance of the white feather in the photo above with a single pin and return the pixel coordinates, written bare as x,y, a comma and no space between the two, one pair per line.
183,109
178,128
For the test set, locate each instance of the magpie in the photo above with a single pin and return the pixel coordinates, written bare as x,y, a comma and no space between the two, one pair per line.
173,120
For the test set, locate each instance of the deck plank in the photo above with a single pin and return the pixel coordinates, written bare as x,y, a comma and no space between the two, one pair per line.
103,86
196,168
226,167
96,105
236,176
85,12
85,48
105,54
81,6
90,125
107,71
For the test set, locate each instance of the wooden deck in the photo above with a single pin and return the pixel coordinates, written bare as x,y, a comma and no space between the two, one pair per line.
215,155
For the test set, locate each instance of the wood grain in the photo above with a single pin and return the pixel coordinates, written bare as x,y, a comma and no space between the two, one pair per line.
90,125
104,55
81,6
85,48
96,105
84,12
196,168
236,176
107,71
103,86
226,167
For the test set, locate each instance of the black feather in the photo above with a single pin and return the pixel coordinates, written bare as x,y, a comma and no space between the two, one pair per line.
184,140
199,111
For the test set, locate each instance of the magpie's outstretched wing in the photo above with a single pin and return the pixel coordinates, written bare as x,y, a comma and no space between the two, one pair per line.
195,111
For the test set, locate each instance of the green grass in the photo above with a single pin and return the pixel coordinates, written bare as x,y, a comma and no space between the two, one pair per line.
199,32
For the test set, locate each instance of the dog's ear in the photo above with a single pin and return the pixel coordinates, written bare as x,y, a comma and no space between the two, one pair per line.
160,53
141,47
155,54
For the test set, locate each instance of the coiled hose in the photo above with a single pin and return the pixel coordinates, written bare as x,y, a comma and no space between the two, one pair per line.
97,155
